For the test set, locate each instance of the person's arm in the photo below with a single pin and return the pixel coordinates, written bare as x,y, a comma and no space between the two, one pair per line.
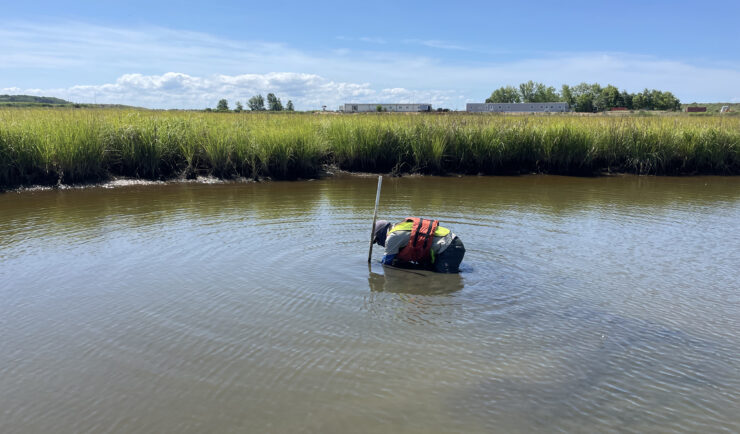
393,243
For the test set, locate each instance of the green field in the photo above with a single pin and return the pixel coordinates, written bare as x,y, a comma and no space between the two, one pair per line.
51,146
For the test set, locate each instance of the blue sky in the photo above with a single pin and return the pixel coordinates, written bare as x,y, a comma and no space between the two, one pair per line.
189,54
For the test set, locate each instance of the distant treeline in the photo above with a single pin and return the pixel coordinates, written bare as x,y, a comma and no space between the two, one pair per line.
256,104
586,97
32,99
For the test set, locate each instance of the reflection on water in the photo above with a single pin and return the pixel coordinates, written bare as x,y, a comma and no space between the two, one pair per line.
585,305
402,281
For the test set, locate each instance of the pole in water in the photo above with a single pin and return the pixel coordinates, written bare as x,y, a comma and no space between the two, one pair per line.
375,217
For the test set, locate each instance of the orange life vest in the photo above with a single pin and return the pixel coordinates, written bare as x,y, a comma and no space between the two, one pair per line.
420,241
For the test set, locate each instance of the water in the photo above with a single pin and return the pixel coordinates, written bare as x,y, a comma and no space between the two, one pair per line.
585,305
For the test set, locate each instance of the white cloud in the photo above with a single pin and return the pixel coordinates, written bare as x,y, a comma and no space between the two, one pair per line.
73,59
435,43
373,40
368,39
178,90
396,91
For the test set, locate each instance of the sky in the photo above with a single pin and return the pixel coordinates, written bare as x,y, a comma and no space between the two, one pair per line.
190,54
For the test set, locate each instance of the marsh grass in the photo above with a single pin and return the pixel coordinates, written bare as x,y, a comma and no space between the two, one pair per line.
49,146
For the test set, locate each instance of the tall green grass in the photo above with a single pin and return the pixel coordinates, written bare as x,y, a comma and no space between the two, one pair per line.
49,146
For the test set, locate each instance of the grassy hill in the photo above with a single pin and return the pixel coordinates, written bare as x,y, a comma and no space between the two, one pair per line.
31,100
50,101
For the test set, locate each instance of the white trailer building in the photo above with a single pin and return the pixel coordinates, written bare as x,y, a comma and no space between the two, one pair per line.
408,107
517,107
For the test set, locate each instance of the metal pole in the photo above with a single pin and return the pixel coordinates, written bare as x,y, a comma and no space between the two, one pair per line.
375,217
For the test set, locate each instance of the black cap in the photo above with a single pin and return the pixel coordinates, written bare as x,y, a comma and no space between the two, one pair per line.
381,229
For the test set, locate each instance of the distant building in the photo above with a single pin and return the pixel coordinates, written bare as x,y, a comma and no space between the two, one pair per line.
724,109
517,107
365,108
696,109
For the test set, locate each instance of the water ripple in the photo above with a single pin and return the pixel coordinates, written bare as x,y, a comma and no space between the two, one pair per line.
604,305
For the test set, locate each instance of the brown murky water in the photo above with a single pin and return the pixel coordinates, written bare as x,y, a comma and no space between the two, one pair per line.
585,305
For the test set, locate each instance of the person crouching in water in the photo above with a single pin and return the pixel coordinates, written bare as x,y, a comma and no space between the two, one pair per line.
419,243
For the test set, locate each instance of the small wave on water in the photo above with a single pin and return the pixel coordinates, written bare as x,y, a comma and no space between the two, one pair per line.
599,305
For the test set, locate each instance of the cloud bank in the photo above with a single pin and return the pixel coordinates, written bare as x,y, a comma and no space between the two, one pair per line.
179,90
89,63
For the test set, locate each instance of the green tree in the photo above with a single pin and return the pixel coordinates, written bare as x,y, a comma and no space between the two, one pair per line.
627,99
222,106
665,101
587,97
506,94
544,93
639,102
609,97
676,102
537,92
585,102
584,96
273,103
256,103
566,95
647,99
526,91
239,107
289,106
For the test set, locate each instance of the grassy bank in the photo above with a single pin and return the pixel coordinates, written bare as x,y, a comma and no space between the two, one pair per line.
47,146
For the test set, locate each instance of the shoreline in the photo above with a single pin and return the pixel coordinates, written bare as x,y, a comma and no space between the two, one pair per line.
327,172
